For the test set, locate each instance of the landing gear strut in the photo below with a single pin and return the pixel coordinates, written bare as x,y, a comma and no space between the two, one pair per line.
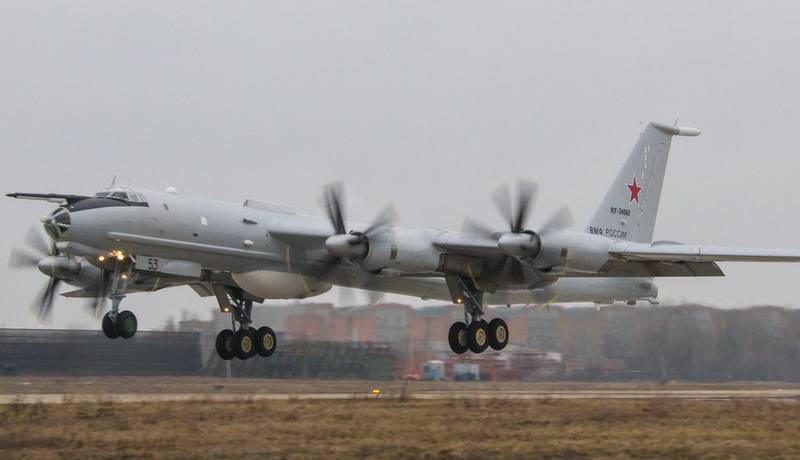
474,333
119,323
244,341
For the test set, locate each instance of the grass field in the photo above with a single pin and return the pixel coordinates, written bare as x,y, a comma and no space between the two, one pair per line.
396,428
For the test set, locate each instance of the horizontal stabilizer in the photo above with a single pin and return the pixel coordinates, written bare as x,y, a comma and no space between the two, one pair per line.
677,130
50,197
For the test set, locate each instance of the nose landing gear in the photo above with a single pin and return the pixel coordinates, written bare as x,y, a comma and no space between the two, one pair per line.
119,323
474,333
124,325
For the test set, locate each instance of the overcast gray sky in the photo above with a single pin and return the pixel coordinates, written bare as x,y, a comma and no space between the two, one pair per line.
429,105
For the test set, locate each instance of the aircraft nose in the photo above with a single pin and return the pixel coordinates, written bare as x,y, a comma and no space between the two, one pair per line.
57,223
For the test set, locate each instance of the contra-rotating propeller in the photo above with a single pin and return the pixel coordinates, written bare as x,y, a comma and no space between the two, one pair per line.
48,259
351,246
520,244
41,255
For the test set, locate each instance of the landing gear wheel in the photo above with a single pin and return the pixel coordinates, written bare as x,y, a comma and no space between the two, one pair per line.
126,324
224,344
457,337
266,342
244,344
498,334
109,327
477,336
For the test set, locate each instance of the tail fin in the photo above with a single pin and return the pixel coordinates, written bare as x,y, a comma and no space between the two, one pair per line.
628,211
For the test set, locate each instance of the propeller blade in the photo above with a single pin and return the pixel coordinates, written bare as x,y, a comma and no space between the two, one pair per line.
323,268
37,241
515,270
374,296
346,297
531,274
351,297
561,220
509,270
475,227
502,199
333,206
44,307
526,195
382,222
97,304
22,259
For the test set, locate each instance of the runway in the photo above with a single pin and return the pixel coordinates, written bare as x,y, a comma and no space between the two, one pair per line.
789,395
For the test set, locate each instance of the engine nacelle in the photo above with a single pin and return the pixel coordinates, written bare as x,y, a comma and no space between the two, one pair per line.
402,251
575,251
277,285
75,271
59,267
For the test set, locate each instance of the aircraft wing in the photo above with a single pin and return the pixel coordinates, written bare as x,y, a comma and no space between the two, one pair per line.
673,252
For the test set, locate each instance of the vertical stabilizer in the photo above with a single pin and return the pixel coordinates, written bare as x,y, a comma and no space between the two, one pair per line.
628,211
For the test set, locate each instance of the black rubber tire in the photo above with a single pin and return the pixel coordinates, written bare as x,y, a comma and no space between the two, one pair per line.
478,336
126,324
109,327
498,334
266,342
457,337
244,344
224,344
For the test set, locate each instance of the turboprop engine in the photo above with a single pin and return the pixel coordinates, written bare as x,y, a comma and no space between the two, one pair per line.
527,251
60,266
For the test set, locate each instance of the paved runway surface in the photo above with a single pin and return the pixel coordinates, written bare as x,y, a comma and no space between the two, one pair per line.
790,395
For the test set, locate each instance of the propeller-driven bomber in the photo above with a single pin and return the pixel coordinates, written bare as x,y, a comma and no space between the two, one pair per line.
124,240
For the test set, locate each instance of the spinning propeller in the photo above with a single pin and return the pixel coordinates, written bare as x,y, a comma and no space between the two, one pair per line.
43,256
48,259
520,244
350,246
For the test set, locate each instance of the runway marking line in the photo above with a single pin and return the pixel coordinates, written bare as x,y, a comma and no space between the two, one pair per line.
59,398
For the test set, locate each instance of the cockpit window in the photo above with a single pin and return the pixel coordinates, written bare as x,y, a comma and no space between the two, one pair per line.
122,193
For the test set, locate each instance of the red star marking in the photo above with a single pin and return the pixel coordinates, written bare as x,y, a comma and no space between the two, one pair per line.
635,189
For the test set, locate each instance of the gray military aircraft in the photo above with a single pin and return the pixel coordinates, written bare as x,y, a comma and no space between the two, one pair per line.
124,240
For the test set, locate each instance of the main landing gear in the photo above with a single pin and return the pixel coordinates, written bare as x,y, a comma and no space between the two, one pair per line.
244,341
474,333
119,323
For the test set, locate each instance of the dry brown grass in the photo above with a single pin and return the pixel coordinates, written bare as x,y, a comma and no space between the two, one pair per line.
390,428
